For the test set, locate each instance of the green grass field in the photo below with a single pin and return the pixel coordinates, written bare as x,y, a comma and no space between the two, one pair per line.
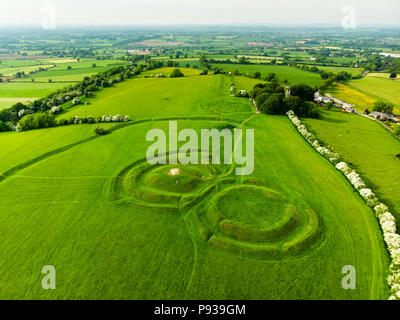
116,227
66,75
365,92
380,89
293,75
29,89
11,71
352,136
353,71
8,102
360,100
21,63
144,98
166,71
84,63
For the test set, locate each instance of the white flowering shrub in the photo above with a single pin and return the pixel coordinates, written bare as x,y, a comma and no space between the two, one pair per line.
316,144
343,167
116,118
369,197
380,209
334,158
388,223
386,220
77,120
356,180
324,151
76,101
55,110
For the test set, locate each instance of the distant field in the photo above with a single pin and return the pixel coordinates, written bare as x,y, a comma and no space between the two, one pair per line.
359,99
167,72
30,90
9,72
364,92
245,83
353,71
367,145
8,102
383,75
86,63
22,63
293,75
66,75
379,88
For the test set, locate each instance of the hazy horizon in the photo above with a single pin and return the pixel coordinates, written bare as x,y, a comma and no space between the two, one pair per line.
196,12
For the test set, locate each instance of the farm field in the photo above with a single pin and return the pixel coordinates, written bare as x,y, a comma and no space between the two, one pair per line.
245,83
143,98
8,102
28,89
360,100
188,72
22,63
30,145
136,231
63,64
66,75
353,137
13,92
293,75
353,71
364,92
380,89
11,71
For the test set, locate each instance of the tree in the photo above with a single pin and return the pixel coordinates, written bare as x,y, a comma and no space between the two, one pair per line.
101,131
397,131
271,76
37,121
18,107
4,126
257,75
274,104
293,103
243,60
303,91
383,107
176,73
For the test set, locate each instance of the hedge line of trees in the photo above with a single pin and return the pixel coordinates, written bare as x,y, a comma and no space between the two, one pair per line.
46,120
50,104
376,62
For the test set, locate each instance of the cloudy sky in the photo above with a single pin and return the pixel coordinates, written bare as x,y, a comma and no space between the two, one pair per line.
132,12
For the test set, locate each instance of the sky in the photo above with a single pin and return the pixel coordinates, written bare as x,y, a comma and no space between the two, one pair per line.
148,12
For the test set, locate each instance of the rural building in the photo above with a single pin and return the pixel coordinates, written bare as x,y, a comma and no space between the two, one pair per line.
382,116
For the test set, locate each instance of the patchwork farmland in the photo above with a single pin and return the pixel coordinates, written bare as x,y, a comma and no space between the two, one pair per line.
85,112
